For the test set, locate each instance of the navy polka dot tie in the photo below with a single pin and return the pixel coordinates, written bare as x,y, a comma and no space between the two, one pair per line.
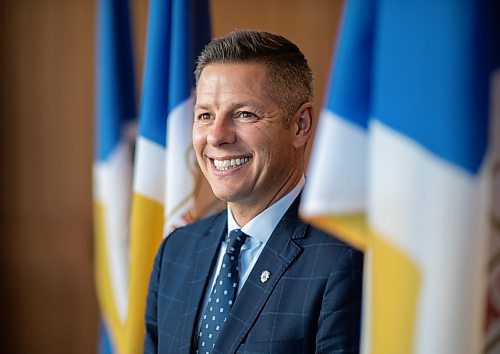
223,294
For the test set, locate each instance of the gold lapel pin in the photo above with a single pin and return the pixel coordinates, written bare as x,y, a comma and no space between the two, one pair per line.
264,276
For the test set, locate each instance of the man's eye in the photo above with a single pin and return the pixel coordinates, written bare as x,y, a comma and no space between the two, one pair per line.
203,116
245,115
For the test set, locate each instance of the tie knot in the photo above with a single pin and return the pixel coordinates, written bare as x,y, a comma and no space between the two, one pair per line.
235,240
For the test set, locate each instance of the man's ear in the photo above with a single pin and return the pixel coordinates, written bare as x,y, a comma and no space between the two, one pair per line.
302,125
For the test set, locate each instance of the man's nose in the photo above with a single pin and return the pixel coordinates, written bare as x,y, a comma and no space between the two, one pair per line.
222,131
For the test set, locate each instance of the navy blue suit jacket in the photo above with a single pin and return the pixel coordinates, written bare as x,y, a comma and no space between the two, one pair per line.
311,302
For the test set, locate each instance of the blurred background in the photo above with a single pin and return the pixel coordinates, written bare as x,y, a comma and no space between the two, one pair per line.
48,301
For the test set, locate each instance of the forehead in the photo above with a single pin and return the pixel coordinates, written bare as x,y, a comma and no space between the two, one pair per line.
235,78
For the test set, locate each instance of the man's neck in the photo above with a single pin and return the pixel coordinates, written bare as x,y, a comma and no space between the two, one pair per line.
244,212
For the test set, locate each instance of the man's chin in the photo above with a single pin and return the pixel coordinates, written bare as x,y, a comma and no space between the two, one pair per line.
225,196
230,194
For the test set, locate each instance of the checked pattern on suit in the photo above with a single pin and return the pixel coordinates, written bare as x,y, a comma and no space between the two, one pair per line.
223,294
310,304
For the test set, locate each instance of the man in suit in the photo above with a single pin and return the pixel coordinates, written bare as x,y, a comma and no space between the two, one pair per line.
253,278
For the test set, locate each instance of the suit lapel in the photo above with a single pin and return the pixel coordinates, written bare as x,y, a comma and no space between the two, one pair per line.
203,261
275,258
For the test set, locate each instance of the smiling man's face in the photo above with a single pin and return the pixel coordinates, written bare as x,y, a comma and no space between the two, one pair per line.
242,145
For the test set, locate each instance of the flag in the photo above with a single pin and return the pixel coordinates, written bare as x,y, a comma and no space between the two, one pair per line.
104,346
402,167
112,170
164,171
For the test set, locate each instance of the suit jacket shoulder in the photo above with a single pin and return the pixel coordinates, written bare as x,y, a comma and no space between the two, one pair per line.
177,283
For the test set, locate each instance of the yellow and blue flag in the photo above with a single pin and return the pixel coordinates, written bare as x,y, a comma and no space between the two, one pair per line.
165,176
112,171
403,167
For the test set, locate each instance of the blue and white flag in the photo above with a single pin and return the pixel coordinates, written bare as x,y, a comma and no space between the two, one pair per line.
115,114
165,170
403,164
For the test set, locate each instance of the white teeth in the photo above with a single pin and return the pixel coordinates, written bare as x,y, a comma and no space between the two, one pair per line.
230,163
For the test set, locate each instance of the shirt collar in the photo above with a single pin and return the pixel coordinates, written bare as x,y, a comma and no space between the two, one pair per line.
262,226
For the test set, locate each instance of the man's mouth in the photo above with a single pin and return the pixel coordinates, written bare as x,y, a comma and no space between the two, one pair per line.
228,164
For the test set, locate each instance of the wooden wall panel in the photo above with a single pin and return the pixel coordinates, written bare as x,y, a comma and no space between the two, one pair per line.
46,110
47,295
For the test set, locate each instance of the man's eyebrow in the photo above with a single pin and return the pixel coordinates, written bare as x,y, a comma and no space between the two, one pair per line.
200,106
237,105
232,106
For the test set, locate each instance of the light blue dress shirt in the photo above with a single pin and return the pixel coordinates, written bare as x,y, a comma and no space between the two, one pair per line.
259,230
